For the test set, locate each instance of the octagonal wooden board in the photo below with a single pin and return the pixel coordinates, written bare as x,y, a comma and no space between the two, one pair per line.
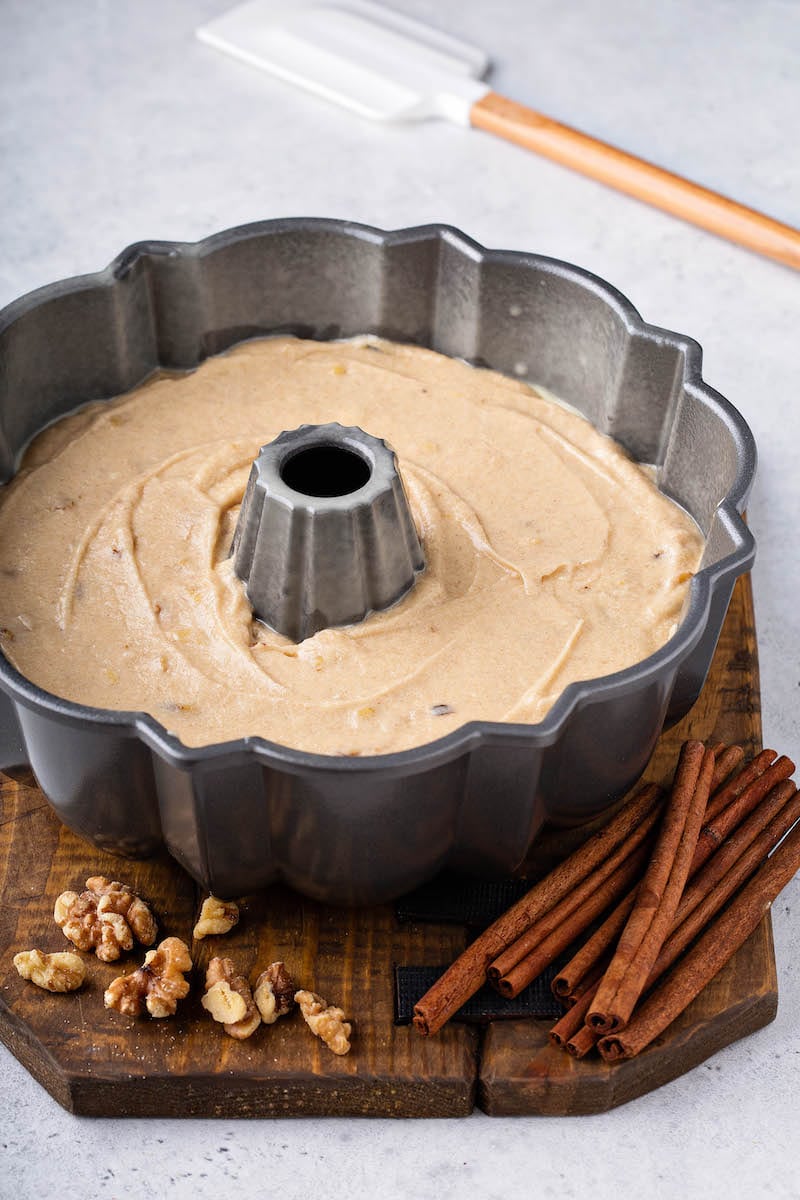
98,1063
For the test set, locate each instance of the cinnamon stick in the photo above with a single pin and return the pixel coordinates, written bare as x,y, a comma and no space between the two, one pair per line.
588,983
572,976
659,893
582,1042
468,972
728,759
722,797
540,945
720,824
716,892
741,797
516,977
734,863
734,845
712,951
573,1019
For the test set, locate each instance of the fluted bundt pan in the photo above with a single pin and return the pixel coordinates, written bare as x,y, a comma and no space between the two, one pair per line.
242,814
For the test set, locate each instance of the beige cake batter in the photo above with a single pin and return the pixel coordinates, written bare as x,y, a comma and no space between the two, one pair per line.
550,556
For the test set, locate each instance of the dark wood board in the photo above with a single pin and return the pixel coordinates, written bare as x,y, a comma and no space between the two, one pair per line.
95,1062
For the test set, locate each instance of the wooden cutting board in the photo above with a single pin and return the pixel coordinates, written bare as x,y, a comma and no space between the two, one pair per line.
96,1062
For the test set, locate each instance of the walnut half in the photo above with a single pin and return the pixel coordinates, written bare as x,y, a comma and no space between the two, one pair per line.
158,984
274,993
59,972
325,1021
106,918
216,917
229,999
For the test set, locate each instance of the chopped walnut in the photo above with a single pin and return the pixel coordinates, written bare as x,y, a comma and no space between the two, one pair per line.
224,1004
106,918
158,984
216,917
274,994
222,984
325,1021
60,972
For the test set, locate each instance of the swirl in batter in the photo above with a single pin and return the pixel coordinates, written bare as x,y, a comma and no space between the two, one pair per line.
550,555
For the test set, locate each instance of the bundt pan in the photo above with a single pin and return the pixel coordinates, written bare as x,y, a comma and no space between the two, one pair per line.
240,815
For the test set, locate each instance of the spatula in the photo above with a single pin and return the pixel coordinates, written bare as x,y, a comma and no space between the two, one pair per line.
389,67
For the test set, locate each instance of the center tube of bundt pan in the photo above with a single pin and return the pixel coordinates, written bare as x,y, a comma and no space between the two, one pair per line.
325,534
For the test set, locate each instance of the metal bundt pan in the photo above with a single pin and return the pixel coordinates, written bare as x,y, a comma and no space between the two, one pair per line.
242,814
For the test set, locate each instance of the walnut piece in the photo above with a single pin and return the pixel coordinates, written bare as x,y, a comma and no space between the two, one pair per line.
106,918
222,984
224,1004
216,917
274,993
325,1021
158,984
59,972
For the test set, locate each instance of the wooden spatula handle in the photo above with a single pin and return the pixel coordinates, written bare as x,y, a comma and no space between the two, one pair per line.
638,178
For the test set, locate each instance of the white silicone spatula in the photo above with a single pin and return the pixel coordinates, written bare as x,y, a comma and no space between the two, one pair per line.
388,67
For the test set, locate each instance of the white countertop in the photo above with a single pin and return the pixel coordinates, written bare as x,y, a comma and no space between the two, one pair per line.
116,125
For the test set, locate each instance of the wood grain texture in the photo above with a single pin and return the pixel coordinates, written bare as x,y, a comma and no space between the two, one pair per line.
97,1062
522,1074
638,178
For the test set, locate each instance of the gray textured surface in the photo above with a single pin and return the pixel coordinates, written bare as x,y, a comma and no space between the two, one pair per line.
115,125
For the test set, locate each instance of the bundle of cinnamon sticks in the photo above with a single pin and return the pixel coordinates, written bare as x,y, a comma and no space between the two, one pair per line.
677,880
